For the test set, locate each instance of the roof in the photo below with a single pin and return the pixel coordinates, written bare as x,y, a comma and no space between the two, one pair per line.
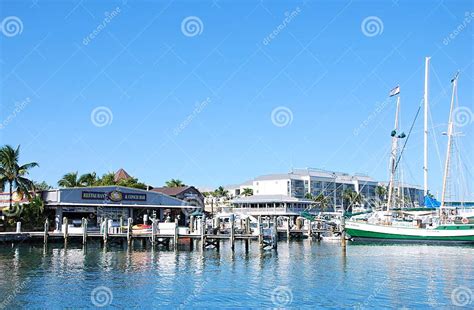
268,199
171,191
121,174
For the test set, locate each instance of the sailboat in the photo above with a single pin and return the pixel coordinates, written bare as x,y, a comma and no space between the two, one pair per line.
446,225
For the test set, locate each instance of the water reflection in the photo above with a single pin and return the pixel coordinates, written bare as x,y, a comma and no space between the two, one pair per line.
313,273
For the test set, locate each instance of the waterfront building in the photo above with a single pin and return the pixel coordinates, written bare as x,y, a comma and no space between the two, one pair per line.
269,205
112,202
305,183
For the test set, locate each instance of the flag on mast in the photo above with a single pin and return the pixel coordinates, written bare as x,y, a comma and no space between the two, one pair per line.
395,91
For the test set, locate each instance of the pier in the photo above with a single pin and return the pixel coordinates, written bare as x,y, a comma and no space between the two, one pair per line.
201,232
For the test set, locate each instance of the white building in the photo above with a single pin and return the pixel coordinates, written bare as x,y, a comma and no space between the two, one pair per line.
299,183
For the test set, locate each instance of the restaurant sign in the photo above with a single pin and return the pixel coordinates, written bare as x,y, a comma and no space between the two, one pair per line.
114,196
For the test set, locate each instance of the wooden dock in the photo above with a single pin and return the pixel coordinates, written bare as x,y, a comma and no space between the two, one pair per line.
169,234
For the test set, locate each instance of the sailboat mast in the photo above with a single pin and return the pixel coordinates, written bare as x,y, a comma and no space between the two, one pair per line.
448,149
425,101
393,157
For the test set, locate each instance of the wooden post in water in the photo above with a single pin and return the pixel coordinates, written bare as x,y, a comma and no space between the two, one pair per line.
106,230
153,231
121,225
129,230
247,226
46,231
275,233
203,234
310,231
260,231
84,230
232,232
175,239
191,224
288,228
343,229
65,232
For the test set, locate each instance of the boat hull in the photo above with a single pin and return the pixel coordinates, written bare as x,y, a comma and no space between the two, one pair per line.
370,232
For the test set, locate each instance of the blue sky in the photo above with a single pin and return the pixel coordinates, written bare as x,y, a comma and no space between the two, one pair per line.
196,103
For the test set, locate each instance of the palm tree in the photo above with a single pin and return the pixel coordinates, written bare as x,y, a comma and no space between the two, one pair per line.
14,174
221,192
69,180
308,196
174,183
381,191
322,201
247,192
353,197
88,179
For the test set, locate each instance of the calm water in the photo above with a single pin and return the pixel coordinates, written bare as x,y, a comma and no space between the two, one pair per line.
299,275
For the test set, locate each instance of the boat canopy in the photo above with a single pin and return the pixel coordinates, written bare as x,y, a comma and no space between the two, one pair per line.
431,202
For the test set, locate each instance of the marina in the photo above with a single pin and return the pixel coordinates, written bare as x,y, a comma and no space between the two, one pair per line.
232,154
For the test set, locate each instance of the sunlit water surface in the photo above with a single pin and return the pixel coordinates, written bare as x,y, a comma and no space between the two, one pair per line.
300,274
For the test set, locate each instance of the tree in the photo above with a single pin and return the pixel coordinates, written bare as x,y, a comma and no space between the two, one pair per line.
174,183
88,179
14,174
69,180
221,192
322,201
381,191
43,186
309,196
106,179
352,197
247,192
131,182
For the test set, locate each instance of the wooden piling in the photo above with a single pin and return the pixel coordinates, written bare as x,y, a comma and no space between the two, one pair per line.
203,234
247,226
153,231
129,230
175,239
288,224
65,232
106,230
260,231
232,232
275,233
191,223
46,231
84,230
121,225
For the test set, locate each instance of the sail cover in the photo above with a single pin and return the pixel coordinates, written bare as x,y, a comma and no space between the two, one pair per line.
431,202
